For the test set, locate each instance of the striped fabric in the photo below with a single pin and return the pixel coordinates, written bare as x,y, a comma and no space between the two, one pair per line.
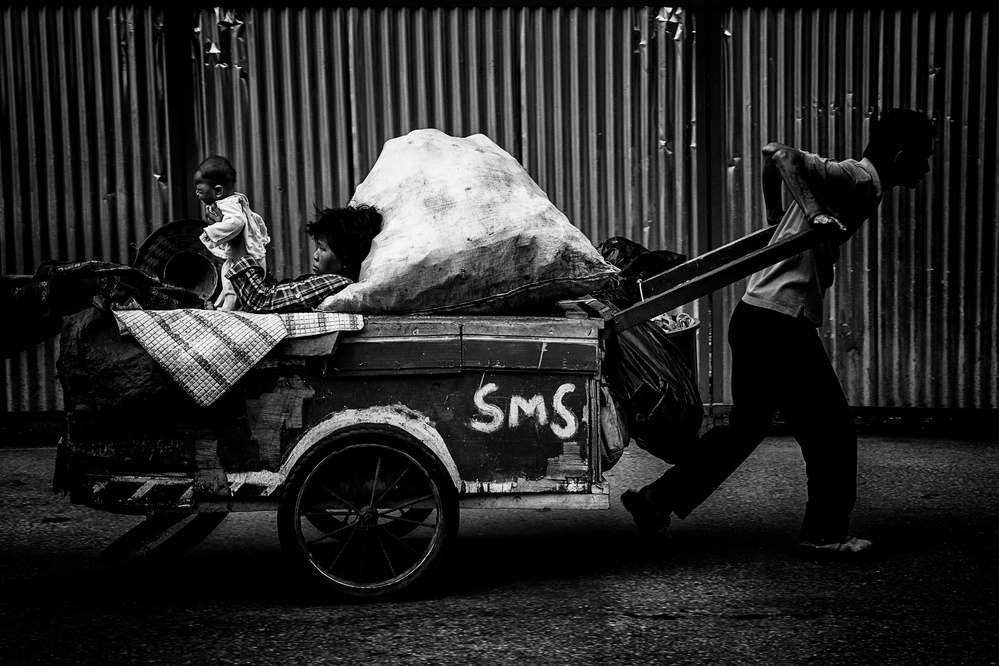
207,351
305,324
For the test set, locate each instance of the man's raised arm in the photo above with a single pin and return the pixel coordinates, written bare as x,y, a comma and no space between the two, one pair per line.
783,163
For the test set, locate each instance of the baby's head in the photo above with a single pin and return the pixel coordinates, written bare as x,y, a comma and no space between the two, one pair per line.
214,179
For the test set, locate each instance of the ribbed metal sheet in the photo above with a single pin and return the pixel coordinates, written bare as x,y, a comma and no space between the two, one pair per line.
642,122
84,144
913,314
595,102
302,101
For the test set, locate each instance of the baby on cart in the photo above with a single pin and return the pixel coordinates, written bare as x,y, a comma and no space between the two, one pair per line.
229,216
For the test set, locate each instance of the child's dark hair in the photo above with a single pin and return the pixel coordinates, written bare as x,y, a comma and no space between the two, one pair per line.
899,129
217,170
348,232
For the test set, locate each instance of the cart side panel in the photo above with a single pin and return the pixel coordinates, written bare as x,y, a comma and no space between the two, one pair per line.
505,431
511,397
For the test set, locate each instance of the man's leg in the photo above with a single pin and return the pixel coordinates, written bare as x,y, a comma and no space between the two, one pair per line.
821,423
755,337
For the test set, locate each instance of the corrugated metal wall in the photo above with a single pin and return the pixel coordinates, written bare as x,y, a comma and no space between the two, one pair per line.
302,101
84,137
913,313
638,122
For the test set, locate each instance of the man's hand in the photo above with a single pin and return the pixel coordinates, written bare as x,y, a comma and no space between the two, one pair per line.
827,222
792,168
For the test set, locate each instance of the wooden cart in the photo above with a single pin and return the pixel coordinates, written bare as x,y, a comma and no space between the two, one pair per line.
368,444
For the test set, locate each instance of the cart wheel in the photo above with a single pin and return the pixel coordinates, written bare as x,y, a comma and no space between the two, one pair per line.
410,519
369,513
158,537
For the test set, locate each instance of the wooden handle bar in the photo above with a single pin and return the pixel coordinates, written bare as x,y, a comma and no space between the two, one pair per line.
713,271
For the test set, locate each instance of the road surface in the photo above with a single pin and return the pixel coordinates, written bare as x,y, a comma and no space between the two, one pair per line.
543,587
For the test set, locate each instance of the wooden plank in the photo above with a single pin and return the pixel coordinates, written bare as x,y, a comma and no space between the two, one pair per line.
573,310
725,274
132,493
209,477
396,353
529,353
274,413
539,327
381,326
707,262
97,443
313,345
234,504
597,498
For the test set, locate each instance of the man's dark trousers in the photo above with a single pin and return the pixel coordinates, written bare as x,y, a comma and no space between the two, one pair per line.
778,363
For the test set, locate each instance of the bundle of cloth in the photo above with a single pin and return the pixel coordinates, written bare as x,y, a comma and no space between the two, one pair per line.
38,302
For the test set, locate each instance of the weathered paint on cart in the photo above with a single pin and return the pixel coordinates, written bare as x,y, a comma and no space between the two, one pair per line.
507,405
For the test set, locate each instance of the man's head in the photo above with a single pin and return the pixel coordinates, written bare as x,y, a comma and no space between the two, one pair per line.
343,239
900,147
214,179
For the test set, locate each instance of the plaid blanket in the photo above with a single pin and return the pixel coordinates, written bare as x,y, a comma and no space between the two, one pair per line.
207,351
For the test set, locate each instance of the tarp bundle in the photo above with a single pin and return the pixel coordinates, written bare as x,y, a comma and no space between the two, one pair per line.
37,303
648,374
656,388
465,231
636,264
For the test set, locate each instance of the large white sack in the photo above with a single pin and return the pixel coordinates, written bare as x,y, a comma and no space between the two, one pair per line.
465,231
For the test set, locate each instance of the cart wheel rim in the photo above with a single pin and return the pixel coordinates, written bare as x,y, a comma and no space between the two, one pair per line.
369,516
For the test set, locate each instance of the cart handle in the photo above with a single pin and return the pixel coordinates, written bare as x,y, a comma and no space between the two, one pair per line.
714,270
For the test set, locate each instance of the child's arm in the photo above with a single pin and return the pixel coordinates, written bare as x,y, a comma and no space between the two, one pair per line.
227,222
257,293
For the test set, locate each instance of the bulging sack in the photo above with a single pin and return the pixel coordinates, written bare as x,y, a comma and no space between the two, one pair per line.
465,230
647,374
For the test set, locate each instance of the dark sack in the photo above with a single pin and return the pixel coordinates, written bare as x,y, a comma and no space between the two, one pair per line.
647,374
37,303
102,370
636,263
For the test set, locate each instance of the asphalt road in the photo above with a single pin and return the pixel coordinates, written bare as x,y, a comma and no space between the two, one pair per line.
543,587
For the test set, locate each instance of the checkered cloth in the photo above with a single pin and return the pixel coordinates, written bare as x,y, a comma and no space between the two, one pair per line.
207,351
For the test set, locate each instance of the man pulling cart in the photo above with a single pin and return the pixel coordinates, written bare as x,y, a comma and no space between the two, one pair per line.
369,434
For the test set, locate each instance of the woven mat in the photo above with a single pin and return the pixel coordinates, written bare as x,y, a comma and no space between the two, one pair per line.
305,324
207,351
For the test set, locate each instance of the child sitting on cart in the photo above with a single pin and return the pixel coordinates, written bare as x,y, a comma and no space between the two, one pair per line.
228,215
343,238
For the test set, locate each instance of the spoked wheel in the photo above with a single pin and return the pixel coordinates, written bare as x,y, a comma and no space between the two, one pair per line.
368,514
158,537
409,519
